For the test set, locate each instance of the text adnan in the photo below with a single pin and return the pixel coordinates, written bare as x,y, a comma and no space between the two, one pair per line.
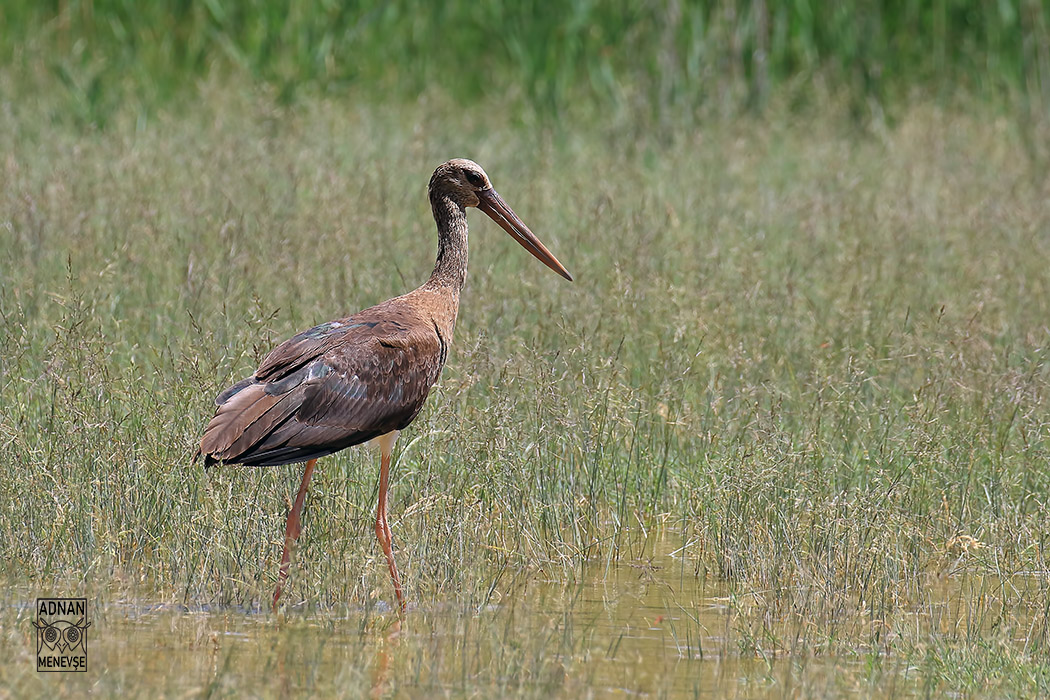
58,607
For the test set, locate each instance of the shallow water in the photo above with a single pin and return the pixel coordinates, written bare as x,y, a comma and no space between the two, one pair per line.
649,628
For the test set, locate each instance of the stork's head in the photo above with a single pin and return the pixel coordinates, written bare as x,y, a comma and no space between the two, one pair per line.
466,183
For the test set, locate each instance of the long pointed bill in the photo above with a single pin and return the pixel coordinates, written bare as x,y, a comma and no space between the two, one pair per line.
492,204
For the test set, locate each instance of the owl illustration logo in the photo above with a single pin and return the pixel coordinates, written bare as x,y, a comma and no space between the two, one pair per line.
61,636
61,627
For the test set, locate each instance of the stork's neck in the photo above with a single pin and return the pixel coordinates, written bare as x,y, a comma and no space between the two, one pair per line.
450,270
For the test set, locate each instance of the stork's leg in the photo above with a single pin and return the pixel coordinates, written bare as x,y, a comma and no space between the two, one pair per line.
292,529
386,446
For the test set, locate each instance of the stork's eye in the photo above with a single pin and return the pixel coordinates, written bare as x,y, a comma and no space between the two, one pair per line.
474,178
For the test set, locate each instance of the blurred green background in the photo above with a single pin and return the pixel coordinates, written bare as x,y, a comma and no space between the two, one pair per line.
662,60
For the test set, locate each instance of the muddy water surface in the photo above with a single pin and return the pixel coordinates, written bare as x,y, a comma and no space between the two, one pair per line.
650,628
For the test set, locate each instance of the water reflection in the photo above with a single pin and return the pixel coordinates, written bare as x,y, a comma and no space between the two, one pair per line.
385,651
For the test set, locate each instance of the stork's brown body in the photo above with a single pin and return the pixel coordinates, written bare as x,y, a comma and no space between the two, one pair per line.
365,376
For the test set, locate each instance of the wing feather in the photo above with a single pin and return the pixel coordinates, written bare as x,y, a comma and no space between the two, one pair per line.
335,385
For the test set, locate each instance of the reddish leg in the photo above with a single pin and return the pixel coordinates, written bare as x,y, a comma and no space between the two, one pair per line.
292,529
386,445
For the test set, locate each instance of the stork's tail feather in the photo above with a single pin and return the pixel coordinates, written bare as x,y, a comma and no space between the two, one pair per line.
246,414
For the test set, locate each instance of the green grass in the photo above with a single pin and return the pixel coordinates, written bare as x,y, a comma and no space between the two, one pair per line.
664,61
813,357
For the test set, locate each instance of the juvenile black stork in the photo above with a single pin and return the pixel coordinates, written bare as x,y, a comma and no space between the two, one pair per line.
366,376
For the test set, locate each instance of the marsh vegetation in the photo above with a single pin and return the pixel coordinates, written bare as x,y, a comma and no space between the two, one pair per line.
801,369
